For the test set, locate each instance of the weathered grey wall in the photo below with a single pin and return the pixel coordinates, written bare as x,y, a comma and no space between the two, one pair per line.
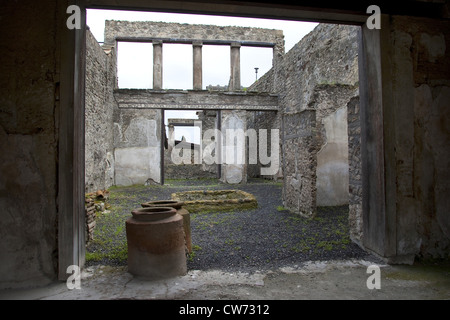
404,133
299,162
99,106
330,102
28,142
209,122
265,120
310,79
148,29
137,146
234,151
421,94
327,55
193,169
355,172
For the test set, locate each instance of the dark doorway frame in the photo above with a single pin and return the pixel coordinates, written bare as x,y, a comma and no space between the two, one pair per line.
379,212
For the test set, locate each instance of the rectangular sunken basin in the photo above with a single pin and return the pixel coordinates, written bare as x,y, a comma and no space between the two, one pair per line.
217,200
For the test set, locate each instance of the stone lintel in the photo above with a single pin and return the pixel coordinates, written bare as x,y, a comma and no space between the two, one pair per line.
195,100
182,122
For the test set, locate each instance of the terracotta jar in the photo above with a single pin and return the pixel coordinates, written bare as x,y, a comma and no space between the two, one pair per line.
156,246
181,211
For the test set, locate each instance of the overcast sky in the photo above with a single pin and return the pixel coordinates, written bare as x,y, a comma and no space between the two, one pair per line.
135,60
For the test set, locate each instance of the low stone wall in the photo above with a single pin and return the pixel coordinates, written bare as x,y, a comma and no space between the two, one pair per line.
90,219
216,200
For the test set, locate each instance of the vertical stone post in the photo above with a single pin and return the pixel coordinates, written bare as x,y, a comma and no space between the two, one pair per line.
157,65
235,55
198,72
234,146
171,137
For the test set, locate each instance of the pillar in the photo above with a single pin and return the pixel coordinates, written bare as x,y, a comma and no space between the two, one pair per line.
235,55
198,72
171,138
234,150
157,65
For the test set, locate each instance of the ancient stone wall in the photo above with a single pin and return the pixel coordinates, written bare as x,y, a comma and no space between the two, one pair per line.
299,162
330,102
355,173
209,122
265,120
327,55
99,106
29,109
421,86
265,83
315,79
189,32
137,146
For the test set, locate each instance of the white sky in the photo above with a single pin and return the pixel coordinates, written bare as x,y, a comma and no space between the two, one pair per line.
135,60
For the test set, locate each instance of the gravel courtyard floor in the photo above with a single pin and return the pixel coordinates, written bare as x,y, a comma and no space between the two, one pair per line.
260,239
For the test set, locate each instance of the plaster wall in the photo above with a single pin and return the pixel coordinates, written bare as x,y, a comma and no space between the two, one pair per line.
234,151
421,94
405,171
332,161
264,120
330,101
29,107
137,146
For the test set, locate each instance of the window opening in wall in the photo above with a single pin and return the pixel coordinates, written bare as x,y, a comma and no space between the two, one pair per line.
177,66
183,135
216,67
134,65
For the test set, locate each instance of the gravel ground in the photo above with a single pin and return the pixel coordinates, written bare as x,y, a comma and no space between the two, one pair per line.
265,238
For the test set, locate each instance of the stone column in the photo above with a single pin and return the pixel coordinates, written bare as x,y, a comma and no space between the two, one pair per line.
171,137
234,150
198,72
157,65
235,54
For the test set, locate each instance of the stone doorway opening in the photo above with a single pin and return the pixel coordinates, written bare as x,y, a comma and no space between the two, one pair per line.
183,145
313,139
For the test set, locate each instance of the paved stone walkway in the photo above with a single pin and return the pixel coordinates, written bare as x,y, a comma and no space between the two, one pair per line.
327,280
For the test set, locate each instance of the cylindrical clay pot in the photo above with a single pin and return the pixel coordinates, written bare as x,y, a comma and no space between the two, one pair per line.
156,246
181,211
